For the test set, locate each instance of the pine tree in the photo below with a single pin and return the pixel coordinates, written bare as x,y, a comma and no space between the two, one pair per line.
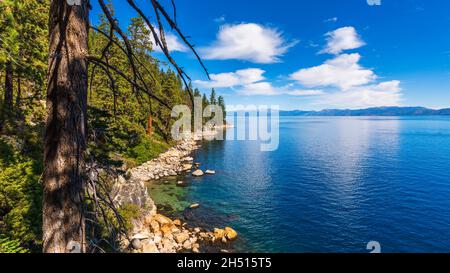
221,103
212,99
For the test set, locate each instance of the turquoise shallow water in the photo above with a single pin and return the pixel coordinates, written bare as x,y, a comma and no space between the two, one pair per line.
333,185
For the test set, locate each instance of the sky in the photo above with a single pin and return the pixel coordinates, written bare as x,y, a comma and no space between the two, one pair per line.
314,55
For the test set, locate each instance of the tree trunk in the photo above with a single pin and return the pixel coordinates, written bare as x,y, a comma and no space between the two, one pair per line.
19,92
9,84
66,125
150,125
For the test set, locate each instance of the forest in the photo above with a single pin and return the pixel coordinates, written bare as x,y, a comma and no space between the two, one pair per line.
64,110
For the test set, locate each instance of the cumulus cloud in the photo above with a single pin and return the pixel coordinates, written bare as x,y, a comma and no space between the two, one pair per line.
173,43
342,39
382,94
267,89
343,72
247,41
231,79
250,82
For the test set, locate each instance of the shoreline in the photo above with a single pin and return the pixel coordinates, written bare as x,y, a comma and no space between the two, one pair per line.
157,233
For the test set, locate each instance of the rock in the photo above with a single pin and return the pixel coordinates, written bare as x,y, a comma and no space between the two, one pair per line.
136,244
149,247
181,184
210,172
157,239
188,159
177,222
230,233
168,246
219,233
172,173
194,206
163,220
140,236
224,251
175,230
154,225
197,173
182,237
187,245
195,250
197,230
166,230
197,165
187,167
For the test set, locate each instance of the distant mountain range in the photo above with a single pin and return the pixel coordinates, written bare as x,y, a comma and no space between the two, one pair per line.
375,111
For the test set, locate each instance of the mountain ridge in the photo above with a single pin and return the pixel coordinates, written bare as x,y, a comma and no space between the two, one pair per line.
372,111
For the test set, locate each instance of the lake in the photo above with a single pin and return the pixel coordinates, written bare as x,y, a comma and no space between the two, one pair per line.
333,185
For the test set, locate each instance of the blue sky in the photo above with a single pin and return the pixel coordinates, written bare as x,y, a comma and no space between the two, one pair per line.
315,54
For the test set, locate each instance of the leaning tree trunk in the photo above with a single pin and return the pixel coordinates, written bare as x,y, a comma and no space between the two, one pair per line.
8,100
65,135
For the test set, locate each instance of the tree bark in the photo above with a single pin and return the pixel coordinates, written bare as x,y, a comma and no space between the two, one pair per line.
150,125
19,92
66,125
9,85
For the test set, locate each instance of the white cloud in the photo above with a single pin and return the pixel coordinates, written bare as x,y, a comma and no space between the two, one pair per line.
173,43
231,79
342,39
267,89
382,94
343,72
331,20
374,2
247,41
305,92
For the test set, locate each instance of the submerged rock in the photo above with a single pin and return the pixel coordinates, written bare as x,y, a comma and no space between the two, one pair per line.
197,173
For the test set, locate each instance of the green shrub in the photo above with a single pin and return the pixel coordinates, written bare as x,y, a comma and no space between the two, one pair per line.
128,213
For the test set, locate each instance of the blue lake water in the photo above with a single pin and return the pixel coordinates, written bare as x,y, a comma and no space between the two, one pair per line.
333,185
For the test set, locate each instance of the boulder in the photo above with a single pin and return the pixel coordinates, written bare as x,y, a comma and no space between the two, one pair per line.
187,245
166,230
177,222
140,236
219,233
136,244
230,233
163,220
149,247
197,173
154,226
210,172
187,167
182,237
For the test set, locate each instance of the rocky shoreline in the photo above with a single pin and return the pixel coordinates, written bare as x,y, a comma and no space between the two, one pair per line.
154,232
